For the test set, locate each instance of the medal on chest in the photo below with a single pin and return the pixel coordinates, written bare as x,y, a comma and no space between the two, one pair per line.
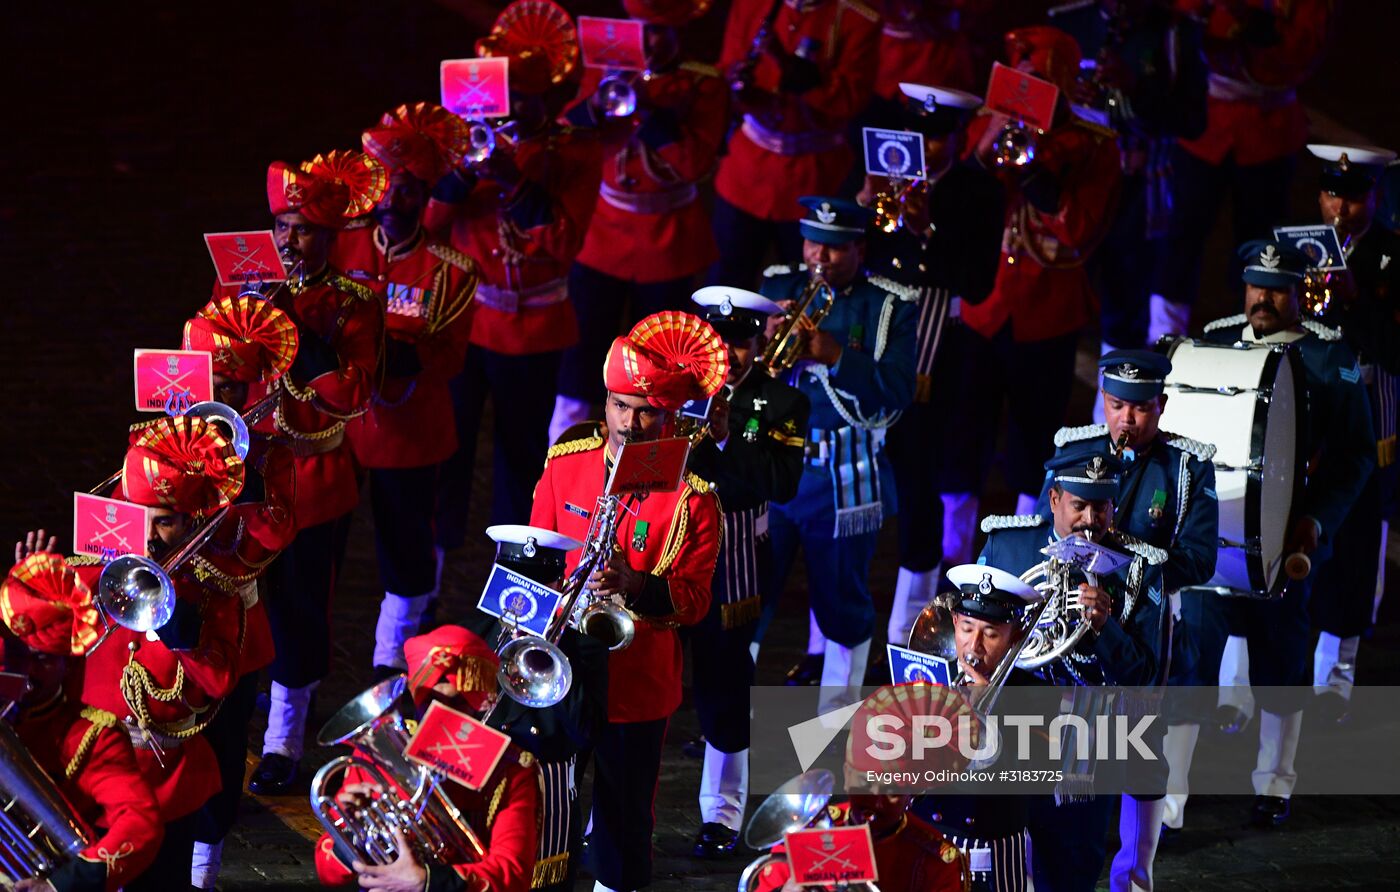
751,430
639,535
1158,506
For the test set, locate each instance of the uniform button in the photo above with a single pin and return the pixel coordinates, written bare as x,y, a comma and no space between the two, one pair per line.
923,268
382,277
129,720
936,817
505,726
897,263
495,252
534,730
969,821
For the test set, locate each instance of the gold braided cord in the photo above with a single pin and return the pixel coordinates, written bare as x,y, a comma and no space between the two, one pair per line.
100,720
496,796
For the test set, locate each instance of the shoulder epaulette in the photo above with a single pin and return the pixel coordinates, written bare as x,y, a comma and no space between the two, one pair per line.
1202,451
862,9
360,222
452,256
1325,332
350,286
569,447
700,68
1151,553
903,292
1228,321
82,560
1075,434
695,483
142,425
994,522
783,269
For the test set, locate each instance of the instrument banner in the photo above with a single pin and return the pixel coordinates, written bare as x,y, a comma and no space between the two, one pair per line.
910,665
242,258
519,600
650,466
615,44
171,381
108,528
1320,243
476,88
898,154
697,409
822,856
1022,96
457,745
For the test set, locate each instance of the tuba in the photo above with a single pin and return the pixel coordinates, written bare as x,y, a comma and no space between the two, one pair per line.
782,351
412,802
796,805
38,830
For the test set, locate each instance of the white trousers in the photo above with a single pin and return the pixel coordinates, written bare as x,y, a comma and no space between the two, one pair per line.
724,787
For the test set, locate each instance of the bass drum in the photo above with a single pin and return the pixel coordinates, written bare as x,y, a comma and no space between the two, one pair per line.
1248,400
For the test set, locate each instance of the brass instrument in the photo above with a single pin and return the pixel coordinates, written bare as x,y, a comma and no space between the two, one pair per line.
890,207
1060,624
376,723
484,138
797,805
693,428
38,830
618,95
784,349
1121,446
1317,284
534,671
1015,144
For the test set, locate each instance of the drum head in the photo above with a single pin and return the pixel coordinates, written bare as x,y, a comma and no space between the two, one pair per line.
1279,479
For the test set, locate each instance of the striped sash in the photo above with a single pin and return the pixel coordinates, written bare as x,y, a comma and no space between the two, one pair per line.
855,478
999,863
736,572
935,309
556,815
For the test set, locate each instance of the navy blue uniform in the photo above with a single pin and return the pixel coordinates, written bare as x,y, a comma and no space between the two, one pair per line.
852,403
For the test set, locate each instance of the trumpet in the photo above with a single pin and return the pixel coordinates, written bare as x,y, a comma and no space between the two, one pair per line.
890,207
618,95
784,349
376,724
38,830
534,670
483,138
1015,144
1318,284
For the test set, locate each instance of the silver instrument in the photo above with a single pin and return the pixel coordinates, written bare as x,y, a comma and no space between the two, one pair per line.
412,801
38,830
1015,145
796,805
618,96
1060,623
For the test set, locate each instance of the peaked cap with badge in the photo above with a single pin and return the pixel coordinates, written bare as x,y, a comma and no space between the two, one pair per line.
1269,264
834,221
1090,473
1134,375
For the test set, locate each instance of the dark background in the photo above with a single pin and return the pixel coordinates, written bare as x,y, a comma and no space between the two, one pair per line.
134,128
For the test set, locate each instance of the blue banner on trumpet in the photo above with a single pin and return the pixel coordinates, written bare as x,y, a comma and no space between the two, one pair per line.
898,154
910,665
518,599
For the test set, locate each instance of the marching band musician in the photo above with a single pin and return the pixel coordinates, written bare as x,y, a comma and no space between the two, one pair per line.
1058,207
1258,52
1167,499
661,569
947,247
857,370
800,71
1363,307
250,340
427,288
522,215
990,830
340,329
650,234
165,691
1129,631
554,735
50,615
455,667
752,457
1273,636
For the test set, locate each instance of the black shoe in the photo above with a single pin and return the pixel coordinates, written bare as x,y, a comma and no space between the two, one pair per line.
1332,708
275,775
1270,811
383,672
694,748
807,672
715,840
1231,719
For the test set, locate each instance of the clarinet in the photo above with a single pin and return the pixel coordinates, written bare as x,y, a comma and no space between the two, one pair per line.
743,72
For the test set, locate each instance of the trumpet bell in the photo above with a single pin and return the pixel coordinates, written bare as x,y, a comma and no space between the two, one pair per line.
608,623
136,593
1014,146
792,806
482,140
229,417
932,632
618,97
534,672
361,713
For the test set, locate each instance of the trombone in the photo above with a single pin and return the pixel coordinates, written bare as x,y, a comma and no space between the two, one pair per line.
783,350
1015,144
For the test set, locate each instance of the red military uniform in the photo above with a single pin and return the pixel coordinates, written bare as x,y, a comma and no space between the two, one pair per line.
679,541
90,758
799,147
427,288
920,52
648,224
1253,112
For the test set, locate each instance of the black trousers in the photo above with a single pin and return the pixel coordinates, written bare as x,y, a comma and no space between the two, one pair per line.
1258,202
171,869
1280,646
1034,380
721,675
626,767
1344,594
913,447
402,501
299,587
1124,268
521,389
228,735
608,307
744,242
1069,842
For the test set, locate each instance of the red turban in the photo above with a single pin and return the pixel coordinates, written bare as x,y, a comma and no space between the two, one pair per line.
329,190
250,338
48,607
181,463
454,653
425,139
669,358
541,42
666,12
1052,54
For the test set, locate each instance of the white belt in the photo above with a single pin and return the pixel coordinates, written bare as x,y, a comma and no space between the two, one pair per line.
780,143
508,301
1230,90
663,202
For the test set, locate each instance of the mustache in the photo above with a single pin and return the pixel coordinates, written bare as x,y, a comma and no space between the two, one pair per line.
1263,307
1087,528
